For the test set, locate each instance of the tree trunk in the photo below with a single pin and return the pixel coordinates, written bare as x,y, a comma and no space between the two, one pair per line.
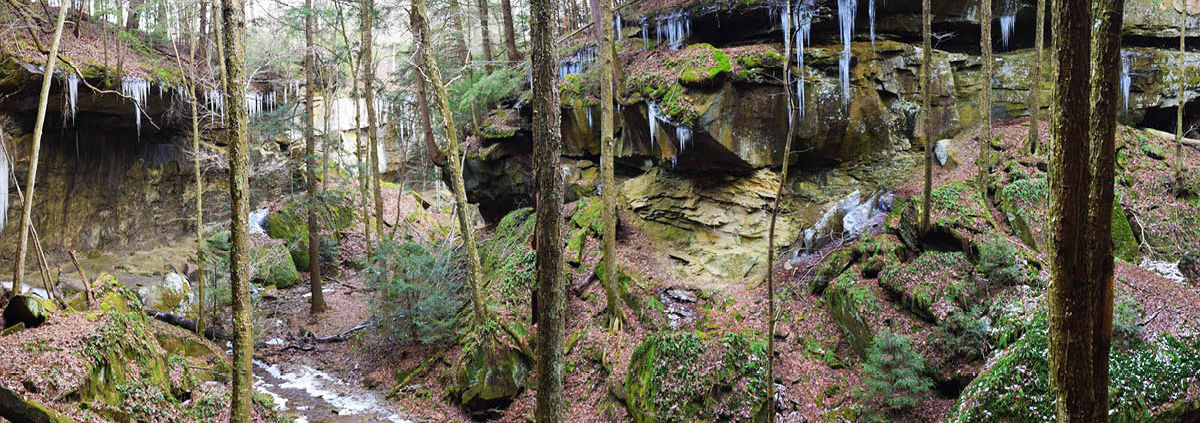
510,38
1183,13
926,118
985,99
435,154
190,83
1035,91
486,32
317,302
430,68
239,260
135,15
39,127
459,34
1072,308
1106,65
368,75
546,149
608,184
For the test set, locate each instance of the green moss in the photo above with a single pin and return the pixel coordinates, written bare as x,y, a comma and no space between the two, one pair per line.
831,268
589,214
849,303
1148,381
931,278
706,74
1125,245
694,377
507,258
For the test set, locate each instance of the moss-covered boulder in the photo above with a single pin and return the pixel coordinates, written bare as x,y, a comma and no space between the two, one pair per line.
933,285
488,378
1149,381
27,310
831,268
16,408
170,294
290,224
696,377
272,264
850,301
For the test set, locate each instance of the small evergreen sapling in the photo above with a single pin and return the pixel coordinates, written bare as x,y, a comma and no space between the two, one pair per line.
895,371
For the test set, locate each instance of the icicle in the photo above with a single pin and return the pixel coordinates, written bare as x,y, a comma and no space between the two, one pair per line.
847,9
1007,24
652,118
645,35
684,134
1126,79
138,89
871,14
72,96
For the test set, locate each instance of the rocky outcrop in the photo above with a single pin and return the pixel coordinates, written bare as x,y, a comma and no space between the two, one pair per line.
697,377
489,378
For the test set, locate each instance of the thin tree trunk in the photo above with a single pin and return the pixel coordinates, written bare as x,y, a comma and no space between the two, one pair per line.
1183,13
1106,65
430,68
1070,295
368,76
1035,85
435,154
486,33
510,38
317,302
459,34
239,263
546,148
985,106
607,147
190,83
38,129
787,153
363,179
926,113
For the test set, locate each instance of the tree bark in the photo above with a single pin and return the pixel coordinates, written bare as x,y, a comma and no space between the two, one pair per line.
607,147
317,302
1035,90
135,15
486,32
435,154
1072,311
510,38
239,263
38,129
1183,12
459,34
985,99
190,83
1106,65
927,121
430,68
368,75
546,149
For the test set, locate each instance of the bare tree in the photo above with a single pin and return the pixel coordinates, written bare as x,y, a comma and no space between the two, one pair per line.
604,39
510,38
926,112
1183,18
317,302
546,149
1035,85
39,127
985,100
485,32
367,64
234,34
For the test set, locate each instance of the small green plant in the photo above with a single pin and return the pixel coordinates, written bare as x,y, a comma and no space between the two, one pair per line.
895,371
964,334
420,290
1000,262
1127,316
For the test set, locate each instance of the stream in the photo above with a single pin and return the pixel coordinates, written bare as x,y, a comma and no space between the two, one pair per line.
308,395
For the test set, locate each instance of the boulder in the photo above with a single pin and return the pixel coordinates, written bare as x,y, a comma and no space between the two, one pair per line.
272,264
172,294
850,301
28,310
488,378
18,409
697,377
290,224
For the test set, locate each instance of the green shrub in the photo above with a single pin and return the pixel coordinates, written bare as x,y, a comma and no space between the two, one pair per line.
895,371
419,290
1000,262
1127,316
964,334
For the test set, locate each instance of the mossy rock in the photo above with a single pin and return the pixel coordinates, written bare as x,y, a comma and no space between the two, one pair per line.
274,266
1125,245
26,309
1148,381
932,285
290,224
706,73
831,268
18,409
850,301
694,377
589,215
488,378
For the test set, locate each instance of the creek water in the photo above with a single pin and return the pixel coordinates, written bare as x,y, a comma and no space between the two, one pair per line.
308,395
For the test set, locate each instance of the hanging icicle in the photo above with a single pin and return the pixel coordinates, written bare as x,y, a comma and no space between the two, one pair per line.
3,185
1126,78
72,96
137,89
847,10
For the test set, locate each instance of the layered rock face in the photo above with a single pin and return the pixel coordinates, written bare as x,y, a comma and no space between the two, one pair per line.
702,97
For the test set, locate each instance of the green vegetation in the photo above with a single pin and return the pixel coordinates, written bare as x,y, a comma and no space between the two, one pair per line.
508,261
419,290
894,371
695,377
1001,263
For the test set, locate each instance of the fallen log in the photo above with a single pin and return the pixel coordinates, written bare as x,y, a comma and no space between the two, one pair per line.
342,336
1186,141
210,333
